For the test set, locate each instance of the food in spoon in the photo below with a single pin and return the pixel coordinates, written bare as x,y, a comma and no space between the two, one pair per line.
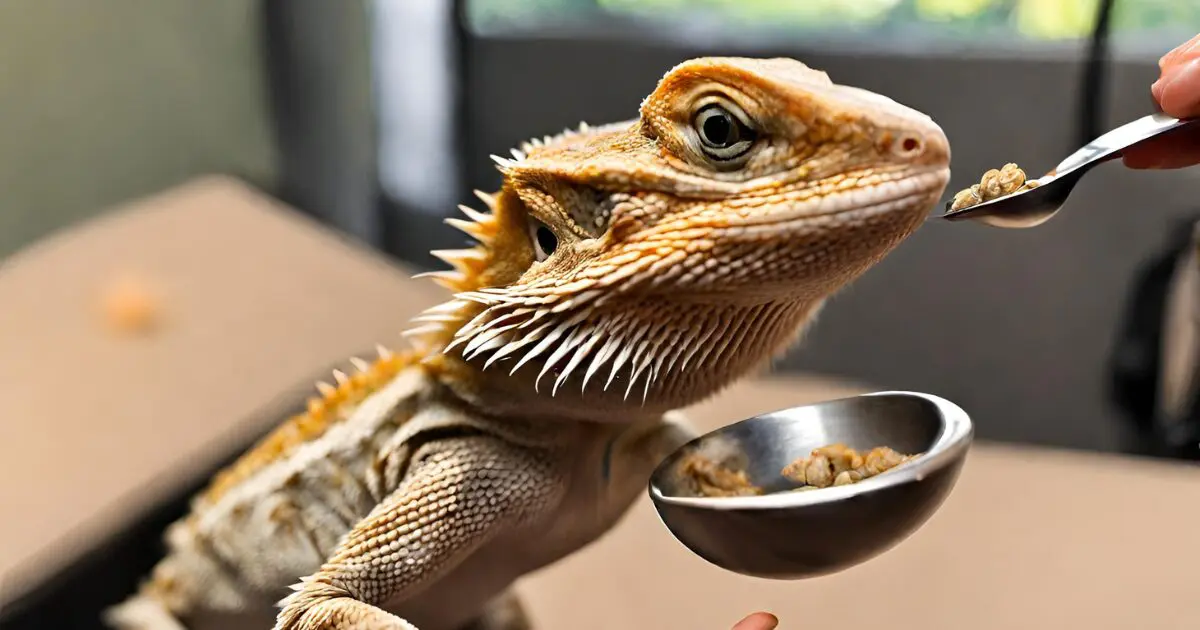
717,469
994,184
713,471
715,479
839,465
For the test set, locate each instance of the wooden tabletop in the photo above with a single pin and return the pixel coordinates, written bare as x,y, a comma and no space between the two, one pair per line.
250,299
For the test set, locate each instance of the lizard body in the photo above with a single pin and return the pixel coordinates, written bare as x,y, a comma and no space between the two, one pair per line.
622,272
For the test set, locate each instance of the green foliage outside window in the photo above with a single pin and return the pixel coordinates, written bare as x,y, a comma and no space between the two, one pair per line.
1037,20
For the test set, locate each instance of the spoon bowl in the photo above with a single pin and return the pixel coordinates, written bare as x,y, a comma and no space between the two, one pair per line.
1034,206
788,535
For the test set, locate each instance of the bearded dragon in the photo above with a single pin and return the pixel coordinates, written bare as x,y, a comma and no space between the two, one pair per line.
621,273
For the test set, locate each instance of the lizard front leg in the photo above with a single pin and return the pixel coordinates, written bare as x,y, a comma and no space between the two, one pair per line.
459,494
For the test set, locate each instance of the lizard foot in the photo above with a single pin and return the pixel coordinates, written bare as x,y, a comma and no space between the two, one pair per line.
335,611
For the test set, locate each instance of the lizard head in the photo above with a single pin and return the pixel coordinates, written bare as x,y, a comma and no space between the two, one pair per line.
643,266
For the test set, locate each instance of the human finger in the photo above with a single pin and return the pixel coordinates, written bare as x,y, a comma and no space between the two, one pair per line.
757,621
1187,50
1178,89
1172,150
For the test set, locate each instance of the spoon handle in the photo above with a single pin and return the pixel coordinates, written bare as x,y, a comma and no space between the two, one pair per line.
1110,144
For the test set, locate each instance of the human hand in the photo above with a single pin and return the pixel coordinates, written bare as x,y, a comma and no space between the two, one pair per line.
757,621
1177,93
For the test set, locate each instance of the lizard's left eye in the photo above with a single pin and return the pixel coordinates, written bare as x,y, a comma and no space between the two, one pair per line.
723,136
544,240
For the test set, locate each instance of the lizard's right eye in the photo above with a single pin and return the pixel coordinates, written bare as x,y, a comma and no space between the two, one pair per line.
723,135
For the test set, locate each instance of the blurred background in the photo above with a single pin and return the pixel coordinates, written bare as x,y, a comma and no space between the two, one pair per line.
376,117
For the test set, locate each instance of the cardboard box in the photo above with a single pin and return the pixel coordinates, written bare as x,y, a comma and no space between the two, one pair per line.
106,433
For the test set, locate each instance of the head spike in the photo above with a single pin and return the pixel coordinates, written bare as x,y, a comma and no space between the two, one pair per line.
466,261
325,389
504,164
340,377
359,364
477,231
473,214
450,280
488,199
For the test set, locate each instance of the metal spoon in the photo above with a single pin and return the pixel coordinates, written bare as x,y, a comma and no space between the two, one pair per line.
792,535
1034,206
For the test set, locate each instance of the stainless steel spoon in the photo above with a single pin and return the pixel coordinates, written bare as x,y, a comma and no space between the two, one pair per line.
1033,207
784,534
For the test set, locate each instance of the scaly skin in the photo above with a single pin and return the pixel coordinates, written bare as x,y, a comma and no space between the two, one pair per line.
622,272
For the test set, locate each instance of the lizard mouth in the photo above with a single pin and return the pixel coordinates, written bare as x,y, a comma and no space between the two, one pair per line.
906,191
902,192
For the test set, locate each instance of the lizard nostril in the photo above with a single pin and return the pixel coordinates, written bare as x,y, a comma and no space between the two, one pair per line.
909,146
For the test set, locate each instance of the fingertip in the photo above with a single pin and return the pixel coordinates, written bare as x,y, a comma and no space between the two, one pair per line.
758,621
1138,160
1176,149
1145,155
1179,90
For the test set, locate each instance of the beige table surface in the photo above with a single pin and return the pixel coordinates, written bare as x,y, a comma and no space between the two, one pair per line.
96,427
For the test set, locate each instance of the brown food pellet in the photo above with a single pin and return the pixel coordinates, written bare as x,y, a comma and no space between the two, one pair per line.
713,479
994,184
838,465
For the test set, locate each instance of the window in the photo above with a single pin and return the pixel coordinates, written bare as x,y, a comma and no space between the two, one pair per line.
1142,21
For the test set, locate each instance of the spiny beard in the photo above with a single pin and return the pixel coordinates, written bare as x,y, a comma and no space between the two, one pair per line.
651,341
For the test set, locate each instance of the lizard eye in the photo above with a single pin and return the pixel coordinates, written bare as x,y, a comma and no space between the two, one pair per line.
723,135
544,240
